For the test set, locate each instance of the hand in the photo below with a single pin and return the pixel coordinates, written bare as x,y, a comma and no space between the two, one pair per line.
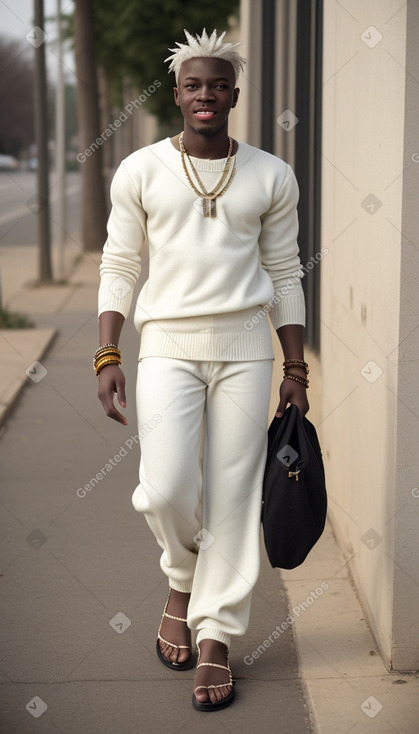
112,380
292,391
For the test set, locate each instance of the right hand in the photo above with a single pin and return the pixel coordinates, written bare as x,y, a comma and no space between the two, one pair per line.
112,380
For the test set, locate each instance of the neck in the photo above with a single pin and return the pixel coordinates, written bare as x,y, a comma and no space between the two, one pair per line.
200,145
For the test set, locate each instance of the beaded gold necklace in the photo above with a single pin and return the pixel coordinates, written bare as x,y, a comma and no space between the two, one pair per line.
209,207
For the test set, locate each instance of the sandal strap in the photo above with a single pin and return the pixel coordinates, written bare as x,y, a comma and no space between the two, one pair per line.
221,685
177,619
222,667
172,644
214,665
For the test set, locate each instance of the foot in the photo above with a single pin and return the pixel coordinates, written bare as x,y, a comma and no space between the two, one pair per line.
174,631
211,651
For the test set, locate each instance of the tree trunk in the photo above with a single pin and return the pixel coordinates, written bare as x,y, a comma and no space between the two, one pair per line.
127,127
105,117
94,214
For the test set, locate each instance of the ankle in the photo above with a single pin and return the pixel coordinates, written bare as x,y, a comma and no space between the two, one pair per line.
178,602
212,651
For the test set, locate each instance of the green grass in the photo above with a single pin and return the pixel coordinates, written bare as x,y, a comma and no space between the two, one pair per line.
11,320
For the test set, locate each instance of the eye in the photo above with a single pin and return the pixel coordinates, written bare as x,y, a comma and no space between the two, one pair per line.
221,86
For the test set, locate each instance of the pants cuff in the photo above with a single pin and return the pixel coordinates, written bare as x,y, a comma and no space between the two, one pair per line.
184,586
212,633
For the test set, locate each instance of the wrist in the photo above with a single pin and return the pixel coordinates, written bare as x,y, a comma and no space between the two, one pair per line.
297,369
106,355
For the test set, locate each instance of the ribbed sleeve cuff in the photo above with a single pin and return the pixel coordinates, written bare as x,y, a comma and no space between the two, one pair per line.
290,309
115,294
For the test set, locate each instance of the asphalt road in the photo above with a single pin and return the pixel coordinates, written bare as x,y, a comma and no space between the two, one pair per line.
17,196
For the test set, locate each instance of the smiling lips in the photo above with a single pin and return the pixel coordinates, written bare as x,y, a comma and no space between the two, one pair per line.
204,114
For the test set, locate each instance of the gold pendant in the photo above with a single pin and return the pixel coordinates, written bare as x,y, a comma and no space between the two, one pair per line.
209,208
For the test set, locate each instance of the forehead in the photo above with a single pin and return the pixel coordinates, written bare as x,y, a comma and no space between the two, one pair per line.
204,68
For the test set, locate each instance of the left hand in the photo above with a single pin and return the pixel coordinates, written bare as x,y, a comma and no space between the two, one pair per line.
292,391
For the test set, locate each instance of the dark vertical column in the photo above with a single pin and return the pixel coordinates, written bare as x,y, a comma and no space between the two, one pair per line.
307,165
317,162
268,75
41,125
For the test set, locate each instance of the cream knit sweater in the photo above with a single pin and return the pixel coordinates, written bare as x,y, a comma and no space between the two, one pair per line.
211,280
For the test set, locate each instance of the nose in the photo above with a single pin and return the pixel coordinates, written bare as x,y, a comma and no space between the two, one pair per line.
205,93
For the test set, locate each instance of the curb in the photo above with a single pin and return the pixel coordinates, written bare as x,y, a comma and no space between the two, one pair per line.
32,345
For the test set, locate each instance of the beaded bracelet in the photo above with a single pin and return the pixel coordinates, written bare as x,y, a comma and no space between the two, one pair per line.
297,378
105,346
294,362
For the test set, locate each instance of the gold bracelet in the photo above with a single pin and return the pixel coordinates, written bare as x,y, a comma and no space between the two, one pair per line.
105,346
103,363
113,357
294,362
106,351
301,380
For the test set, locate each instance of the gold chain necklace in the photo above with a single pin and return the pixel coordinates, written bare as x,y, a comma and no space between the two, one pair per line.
209,208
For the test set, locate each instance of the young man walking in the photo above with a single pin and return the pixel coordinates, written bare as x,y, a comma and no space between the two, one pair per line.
219,218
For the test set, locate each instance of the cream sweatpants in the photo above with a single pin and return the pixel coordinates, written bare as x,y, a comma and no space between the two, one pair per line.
201,473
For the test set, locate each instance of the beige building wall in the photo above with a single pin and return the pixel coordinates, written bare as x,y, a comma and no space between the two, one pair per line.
364,392
244,122
369,309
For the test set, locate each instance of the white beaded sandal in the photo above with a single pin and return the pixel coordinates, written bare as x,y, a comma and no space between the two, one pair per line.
224,702
187,664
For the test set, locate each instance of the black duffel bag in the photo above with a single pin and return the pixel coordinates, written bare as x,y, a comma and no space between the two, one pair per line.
294,501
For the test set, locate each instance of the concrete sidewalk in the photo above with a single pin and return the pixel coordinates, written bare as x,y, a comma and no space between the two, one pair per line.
83,592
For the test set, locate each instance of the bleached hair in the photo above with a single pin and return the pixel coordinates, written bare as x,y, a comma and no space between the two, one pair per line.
207,46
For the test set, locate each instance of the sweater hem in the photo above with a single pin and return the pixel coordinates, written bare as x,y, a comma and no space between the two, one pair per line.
212,347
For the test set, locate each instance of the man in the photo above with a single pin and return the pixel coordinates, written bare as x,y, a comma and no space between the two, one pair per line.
221,225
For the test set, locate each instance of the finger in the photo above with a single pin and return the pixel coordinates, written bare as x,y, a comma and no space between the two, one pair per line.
302,406
121,395
281,409
111,411
117,416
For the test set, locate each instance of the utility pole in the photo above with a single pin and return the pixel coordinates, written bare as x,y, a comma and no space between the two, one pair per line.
41,124
60,147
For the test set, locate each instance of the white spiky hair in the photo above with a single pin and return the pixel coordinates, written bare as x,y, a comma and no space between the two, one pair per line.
207,46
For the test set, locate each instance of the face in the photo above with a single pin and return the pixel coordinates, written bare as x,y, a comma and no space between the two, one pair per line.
206,93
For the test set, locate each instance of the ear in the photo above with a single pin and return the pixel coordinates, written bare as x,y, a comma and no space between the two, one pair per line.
236,93
176,96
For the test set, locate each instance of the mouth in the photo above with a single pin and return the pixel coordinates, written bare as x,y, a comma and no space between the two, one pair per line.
204,114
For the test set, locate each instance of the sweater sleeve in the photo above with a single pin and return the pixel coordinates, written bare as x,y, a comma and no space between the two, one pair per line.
121,262
279,250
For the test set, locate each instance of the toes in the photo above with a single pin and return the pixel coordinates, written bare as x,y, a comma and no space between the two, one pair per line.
173,655
213,694
217,694
168,652
201,695
183,656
